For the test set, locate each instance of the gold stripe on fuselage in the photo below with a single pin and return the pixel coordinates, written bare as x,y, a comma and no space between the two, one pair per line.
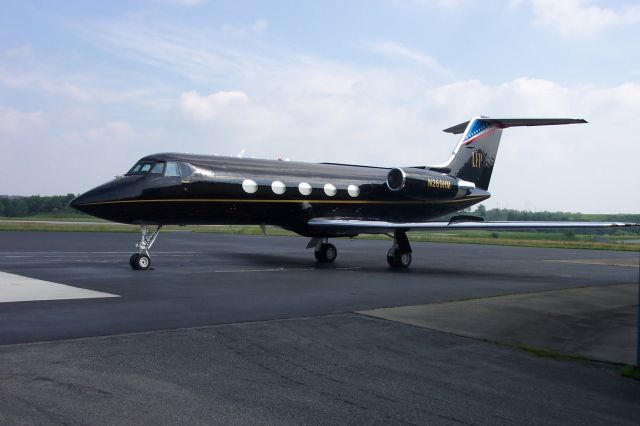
244,200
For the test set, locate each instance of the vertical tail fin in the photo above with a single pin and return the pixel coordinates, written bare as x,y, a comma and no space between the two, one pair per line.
475,154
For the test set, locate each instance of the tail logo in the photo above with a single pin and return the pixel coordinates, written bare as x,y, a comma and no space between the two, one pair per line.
476,159
478,130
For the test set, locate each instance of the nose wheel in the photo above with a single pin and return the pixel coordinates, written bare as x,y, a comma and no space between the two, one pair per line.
141,261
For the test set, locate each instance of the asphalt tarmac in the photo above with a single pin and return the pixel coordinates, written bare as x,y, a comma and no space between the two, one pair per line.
234,329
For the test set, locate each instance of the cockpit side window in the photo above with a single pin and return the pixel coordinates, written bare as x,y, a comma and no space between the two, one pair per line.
172,169
185,170
158,168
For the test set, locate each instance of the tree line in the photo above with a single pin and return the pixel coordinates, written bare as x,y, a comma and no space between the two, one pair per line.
58,205
55,205
520,215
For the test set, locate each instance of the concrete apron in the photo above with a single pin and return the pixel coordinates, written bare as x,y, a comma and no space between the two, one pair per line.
598,323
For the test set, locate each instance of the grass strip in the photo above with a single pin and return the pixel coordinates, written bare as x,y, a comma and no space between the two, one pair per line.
631,371
506,239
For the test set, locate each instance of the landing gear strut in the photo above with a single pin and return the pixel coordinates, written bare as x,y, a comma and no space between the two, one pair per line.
399,255
142,260
325,252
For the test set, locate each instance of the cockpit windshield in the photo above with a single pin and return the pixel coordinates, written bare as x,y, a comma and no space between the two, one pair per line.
174,169
144,167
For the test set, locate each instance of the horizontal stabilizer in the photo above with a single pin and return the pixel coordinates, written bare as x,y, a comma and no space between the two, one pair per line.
516,122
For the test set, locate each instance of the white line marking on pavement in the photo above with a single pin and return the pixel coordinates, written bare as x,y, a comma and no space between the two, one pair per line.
66,253
16,288
265,270
283,269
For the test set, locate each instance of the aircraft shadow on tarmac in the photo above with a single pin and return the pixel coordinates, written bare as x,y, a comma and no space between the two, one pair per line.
257,260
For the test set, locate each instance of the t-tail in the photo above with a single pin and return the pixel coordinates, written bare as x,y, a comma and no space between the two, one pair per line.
475,154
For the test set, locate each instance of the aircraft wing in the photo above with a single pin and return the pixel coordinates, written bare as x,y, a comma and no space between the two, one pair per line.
380,227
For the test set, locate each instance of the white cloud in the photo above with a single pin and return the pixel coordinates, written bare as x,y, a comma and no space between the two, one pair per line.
179,50
580,18
392,48
22,69
522,96
24,51
390,130
259,26
181,2
207,108
279,102
15,122
545,161
447,4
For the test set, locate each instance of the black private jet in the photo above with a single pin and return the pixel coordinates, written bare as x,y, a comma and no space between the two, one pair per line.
319,201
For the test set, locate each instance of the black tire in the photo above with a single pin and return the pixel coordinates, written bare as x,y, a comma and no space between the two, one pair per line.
140,262
391,258
326,253
330,252
398,260
133,260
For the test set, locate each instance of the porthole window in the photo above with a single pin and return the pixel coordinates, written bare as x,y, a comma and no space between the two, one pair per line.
330,190
304,188
353,190
249,186
278,187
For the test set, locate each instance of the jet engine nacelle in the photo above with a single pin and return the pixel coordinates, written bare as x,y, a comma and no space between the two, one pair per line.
422,185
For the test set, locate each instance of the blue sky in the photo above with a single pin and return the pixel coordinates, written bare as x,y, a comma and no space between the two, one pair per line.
86,88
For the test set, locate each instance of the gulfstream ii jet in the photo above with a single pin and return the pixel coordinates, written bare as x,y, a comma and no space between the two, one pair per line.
319,201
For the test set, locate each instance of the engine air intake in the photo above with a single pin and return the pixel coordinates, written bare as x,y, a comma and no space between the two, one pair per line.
396,179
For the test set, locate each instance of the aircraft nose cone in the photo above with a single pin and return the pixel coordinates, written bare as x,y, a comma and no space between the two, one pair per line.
78,203
102,201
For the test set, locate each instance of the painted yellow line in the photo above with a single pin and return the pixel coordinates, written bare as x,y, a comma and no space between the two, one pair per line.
244,200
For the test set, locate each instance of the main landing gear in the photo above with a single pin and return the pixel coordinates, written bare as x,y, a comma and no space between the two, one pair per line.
142,260
325,252
399,255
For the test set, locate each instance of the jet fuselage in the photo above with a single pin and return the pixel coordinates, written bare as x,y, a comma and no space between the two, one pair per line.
198,190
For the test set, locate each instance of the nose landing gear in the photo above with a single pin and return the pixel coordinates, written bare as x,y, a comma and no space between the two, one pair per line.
142,260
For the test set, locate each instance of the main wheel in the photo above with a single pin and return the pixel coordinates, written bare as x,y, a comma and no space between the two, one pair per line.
398,260
140,262
133,260
326,253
